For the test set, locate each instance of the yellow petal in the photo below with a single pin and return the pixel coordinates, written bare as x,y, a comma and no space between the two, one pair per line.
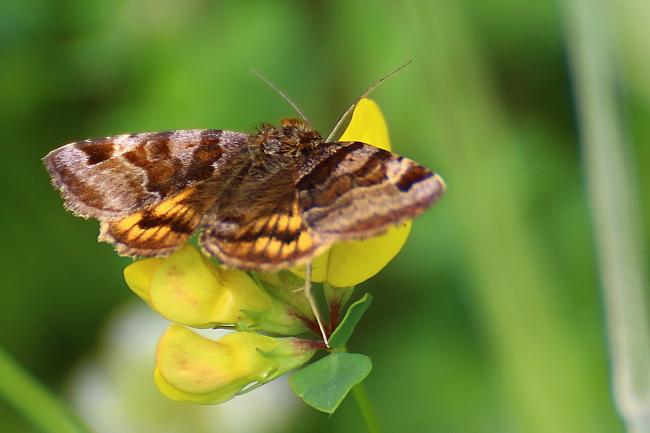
176,394
138,276
196,365
319,268
351,263
240,294
367,125
193,368
188,289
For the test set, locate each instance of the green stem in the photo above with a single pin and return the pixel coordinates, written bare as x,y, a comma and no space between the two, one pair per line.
33,400
366,408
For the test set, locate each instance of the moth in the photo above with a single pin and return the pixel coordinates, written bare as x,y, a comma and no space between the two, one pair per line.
267,201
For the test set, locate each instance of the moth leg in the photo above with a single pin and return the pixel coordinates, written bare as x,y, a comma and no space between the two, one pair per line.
312,303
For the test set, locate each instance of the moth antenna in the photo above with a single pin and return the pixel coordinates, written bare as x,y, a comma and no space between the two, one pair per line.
286,97
365,94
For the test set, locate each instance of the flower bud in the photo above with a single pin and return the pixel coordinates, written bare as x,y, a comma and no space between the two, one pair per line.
195,369
188,288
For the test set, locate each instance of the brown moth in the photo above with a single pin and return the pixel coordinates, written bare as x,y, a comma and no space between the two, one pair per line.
269,200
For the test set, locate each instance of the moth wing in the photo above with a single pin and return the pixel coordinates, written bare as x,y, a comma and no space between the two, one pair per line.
162,227
257,224
357,191
113,177
148,190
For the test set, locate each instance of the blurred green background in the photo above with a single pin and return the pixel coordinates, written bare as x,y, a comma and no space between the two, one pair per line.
490,320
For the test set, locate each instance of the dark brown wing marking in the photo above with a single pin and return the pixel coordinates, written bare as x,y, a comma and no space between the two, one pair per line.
360,191
113,177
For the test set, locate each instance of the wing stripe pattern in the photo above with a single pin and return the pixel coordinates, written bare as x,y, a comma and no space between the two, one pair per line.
159,229
275,240
360,191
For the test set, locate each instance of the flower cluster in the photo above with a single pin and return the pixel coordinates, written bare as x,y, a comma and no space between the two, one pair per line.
265,310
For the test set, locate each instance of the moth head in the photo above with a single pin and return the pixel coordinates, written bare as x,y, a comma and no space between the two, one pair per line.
294,122
290,138
299,133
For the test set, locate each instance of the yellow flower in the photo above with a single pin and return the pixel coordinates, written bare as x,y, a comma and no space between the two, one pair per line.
188,288
350,263
198,370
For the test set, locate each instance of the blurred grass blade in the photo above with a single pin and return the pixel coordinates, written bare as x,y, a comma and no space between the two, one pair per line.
546,368
35,402
614,204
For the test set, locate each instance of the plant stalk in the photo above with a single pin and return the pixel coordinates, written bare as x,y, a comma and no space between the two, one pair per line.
34,401
366,408
614,204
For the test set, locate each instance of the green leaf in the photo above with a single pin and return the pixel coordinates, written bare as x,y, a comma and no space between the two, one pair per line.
342,333
325,383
